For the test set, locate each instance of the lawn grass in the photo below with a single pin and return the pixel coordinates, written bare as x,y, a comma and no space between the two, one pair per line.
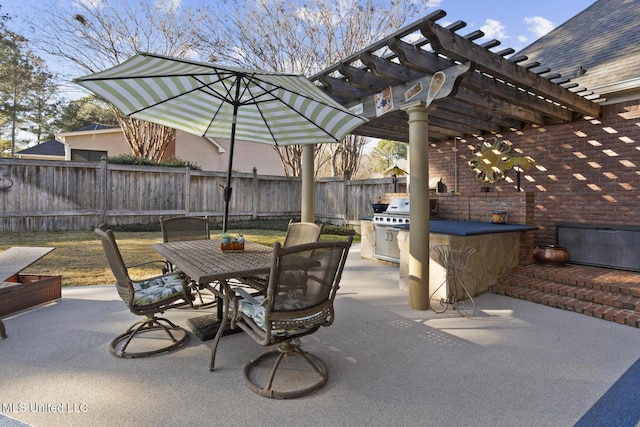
80,260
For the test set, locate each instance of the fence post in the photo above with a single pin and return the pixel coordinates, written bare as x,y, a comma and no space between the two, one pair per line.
254,194
102,179
187,190
345,197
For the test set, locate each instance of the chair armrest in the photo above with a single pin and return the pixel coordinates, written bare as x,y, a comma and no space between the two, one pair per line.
245,295
256,282
166,269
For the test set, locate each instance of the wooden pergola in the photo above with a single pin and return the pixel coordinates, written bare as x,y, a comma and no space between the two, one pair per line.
485,92
424,84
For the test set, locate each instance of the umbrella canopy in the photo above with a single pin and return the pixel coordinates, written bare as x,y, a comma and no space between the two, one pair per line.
219,101
395,170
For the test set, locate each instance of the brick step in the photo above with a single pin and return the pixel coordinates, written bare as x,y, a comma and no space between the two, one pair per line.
611,299
608,280
618,315
611,295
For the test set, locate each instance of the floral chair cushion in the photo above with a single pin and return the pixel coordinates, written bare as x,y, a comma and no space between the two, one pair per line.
157,289
256,311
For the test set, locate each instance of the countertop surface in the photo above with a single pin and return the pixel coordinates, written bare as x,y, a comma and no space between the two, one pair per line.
470,228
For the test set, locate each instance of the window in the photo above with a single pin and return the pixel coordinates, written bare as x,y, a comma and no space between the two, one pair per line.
87,155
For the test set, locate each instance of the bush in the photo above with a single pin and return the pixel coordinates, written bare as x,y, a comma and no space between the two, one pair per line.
130,159
258,224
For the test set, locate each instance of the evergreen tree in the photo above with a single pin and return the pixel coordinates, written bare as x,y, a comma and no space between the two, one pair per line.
387,152
82,112
26,90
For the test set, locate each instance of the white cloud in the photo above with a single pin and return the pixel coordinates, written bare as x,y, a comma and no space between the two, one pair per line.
494,30
168,6
89,4
538,25
426,3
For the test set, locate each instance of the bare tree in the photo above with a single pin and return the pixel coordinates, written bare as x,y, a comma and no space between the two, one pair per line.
99,34
304,37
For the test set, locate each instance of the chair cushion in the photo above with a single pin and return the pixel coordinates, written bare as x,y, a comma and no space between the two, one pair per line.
288,278
257,313
157,289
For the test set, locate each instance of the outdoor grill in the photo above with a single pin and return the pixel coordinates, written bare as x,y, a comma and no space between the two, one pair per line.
397,213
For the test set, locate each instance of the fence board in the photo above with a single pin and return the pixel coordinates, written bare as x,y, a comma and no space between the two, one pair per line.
58,196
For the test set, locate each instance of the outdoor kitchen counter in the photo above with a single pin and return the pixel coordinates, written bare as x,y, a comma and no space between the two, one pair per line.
497,250
470,228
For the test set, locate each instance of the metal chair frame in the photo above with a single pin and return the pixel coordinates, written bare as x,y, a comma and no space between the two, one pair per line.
298,233
124,285
181,228
312,294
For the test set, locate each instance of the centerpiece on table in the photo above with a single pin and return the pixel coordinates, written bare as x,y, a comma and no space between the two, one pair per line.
230,243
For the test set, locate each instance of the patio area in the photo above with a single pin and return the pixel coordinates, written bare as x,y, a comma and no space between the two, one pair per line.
515,363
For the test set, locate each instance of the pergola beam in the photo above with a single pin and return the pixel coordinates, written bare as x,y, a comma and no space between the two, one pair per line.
460,49
496,94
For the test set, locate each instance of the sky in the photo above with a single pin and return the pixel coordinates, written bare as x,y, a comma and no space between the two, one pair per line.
515,23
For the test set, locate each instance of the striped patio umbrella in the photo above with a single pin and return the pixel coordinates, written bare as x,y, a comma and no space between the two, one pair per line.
219,101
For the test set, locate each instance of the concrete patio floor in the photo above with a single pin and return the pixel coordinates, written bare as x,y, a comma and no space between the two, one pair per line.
515,363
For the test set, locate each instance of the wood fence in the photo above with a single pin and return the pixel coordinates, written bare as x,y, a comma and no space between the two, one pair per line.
41,195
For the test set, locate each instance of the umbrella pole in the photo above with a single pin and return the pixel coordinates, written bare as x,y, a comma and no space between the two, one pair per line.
227,189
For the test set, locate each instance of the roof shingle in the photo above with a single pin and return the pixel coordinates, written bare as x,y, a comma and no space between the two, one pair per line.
604,39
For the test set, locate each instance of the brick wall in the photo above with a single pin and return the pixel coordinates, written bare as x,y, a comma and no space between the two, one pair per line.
588,171
479,206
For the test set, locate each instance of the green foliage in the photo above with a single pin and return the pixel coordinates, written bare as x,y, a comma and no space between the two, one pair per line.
387,152
258,224
130,159
5,148
262,224
26,89
83,112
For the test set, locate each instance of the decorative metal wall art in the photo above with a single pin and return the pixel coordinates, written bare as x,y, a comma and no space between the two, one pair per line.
492,158
489,159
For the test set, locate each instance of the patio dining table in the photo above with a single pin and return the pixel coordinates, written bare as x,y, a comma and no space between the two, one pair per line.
204,262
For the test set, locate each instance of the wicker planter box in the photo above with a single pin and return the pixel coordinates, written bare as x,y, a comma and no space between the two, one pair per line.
23,291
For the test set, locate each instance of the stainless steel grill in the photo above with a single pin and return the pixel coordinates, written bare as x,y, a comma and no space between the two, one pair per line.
397,213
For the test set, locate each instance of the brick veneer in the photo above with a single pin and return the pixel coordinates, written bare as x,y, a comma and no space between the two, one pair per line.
520,207
588,172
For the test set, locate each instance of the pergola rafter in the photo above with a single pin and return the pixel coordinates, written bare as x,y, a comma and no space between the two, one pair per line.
493,94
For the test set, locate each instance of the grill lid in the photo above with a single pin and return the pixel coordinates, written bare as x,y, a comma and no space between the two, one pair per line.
398,206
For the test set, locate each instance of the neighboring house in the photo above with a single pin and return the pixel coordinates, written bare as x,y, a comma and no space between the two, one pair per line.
92,142
48,150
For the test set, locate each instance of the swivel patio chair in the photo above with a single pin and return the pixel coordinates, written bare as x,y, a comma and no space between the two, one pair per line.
180,228
146,298
298,233
299,298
